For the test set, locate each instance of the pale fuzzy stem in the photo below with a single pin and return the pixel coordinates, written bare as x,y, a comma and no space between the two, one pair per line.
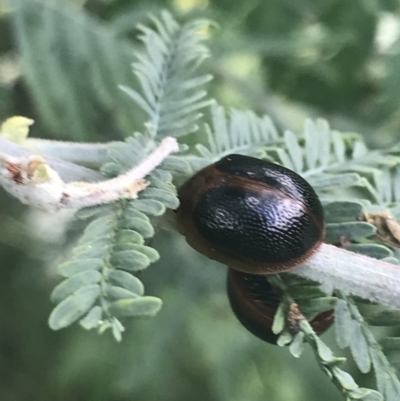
124,186
167,146
92,155
354,274
66,170
35,183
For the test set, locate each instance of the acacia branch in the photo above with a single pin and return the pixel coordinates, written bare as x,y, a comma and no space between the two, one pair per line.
34,182
333,267
354,274
66,170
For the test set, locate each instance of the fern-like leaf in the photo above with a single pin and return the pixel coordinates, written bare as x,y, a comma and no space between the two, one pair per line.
172,95
100,286
85,62
113,248
353,331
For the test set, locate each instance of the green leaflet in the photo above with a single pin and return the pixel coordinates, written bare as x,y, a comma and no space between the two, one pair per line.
330,181
279,322
303,292
134,220
324,352
310,307
161,175
390,343
143,227
74,283
177,165
129,237
346,381
167,198
150,207
295,151
111,169
285,338
384,318
359,348
127,281
382,380
317,138
161,183
338,147
92,319
365,394
297,346
113,292
96,228
144,306
391,259
129,212
279,155
96,243
94,211
122,153
343,323
349,230
73,307
90,250
73,267
130,260
340,211
373,250
151,253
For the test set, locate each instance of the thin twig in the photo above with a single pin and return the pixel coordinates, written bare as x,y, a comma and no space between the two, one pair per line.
35,183
66,170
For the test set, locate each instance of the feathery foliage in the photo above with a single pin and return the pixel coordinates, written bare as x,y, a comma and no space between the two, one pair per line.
319,155
100,286
324,355
86,62
172,95
353,331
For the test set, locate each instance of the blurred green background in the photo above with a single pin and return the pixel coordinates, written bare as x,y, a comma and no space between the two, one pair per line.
60,64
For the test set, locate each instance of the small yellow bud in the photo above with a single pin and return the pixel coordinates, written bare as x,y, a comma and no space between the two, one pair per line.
16,129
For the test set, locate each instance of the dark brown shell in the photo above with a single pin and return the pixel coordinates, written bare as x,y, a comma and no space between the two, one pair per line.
254,302
250,214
